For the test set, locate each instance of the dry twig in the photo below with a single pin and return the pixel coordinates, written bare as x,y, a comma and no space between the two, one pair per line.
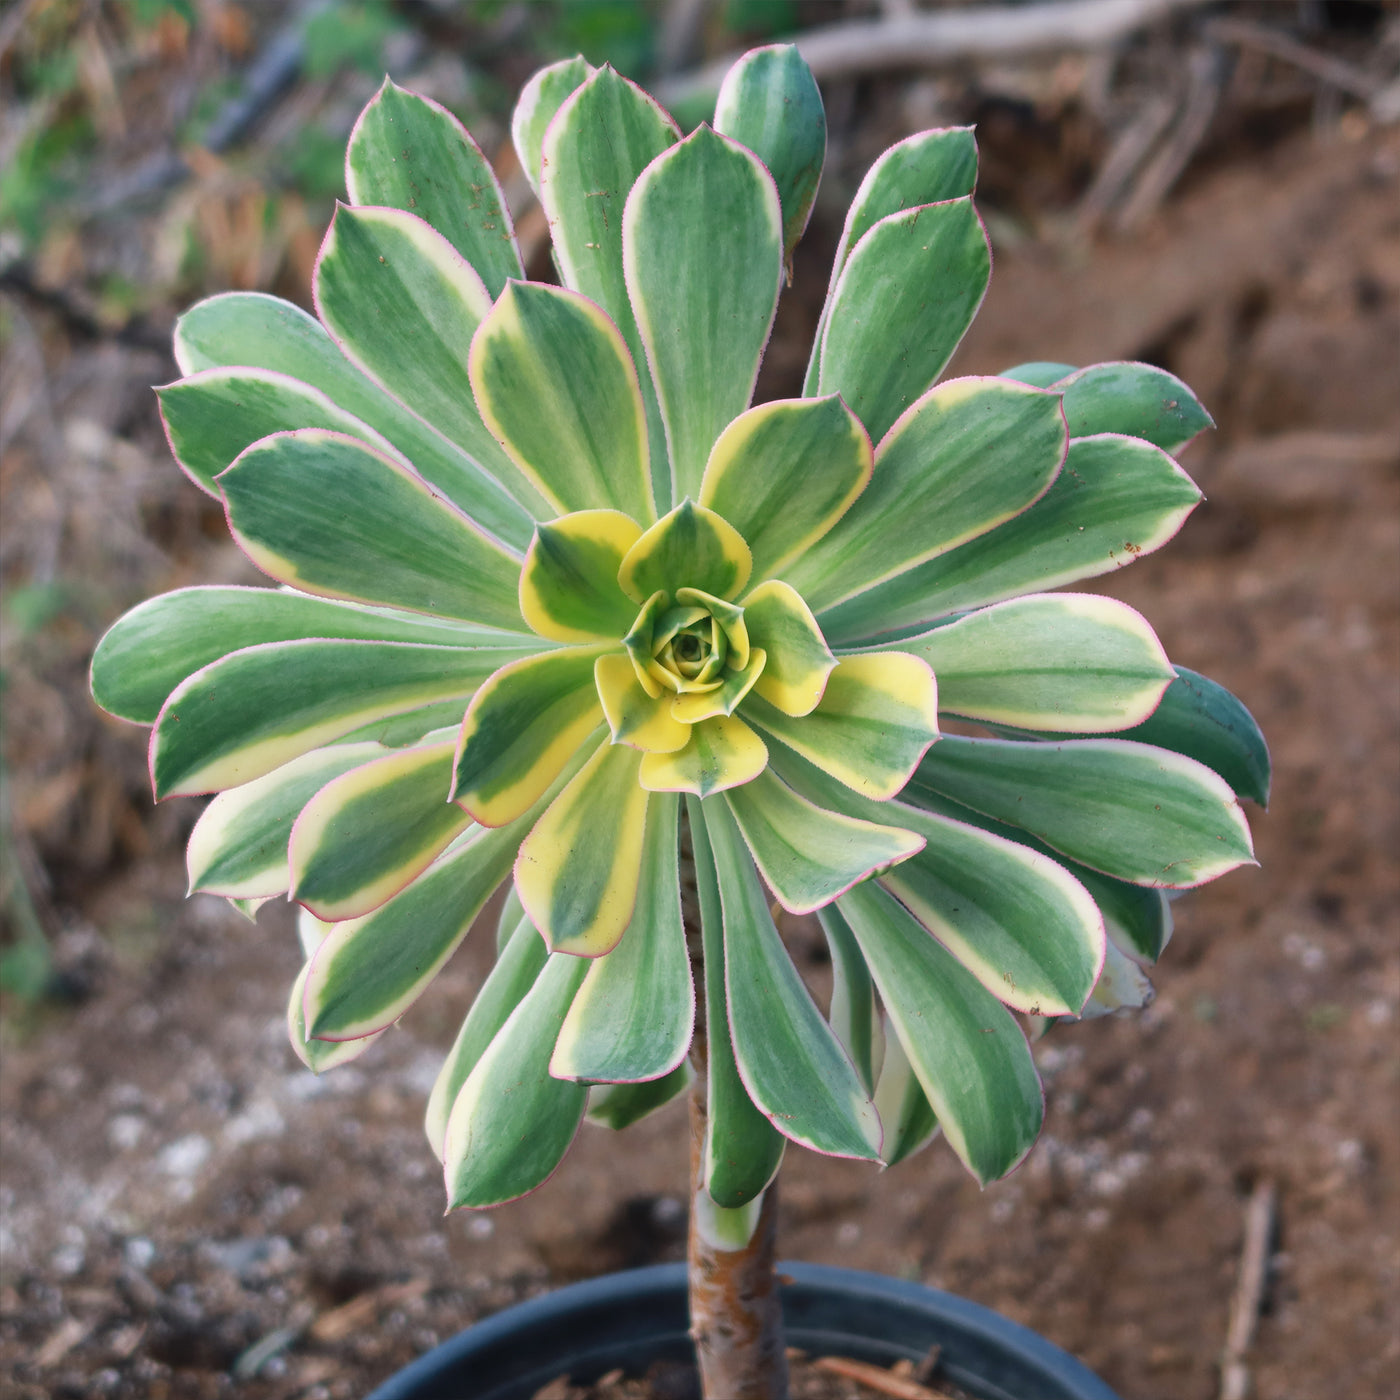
1247,34
877,1378
1249,1290
925,40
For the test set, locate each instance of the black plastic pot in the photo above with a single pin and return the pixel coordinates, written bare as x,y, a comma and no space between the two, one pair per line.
632,1319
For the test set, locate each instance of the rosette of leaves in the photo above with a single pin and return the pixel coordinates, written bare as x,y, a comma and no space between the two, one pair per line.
559,607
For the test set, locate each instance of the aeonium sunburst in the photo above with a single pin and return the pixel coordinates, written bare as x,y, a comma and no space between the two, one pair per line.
559,607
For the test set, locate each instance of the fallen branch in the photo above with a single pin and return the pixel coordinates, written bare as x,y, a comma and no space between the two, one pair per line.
1249,1290
1247,34
946,37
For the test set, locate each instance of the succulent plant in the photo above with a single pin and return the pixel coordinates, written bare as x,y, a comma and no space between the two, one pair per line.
559,607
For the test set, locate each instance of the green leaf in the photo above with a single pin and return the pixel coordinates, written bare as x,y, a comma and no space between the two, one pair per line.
522,727
1015,918
602,138
151,649
1117,498
1204,721
518,964
929,167
784,473
794,1068
769,101
213,415
1139,400
909,1120
966,1048
633,1017
618,1106
808,854
799,661
1041,373
970,455
579,868
1068,662
512,1121
1141,916
255,709
877,716
328,515
721,753
885,344
854,1017
568,585
691,547
370,970
512,911
253,329
742,1149
366,835
539,100
702,246
555,383
409,153
404,305
319,1055
1139,813
238,847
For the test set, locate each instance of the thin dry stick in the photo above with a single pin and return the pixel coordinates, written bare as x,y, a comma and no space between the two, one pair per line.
1209,69
1249,1290
1247,34
878,1378
1126,157
923,40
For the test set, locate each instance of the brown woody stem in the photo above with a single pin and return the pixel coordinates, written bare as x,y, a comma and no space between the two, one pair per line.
735,1315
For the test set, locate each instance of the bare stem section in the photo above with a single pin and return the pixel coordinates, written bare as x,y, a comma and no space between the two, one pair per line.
735,1315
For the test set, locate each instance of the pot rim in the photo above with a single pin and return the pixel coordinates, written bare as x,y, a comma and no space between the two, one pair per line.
985,1352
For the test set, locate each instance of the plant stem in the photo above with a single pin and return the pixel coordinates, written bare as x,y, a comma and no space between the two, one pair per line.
735,1314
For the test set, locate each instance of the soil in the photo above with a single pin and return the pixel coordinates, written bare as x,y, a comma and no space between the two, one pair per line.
186,1212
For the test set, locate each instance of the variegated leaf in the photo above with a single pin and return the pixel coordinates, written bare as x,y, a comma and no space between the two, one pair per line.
253,329
808,854
1067,662
632,1018
967,457
969,1054
929,167
793,1067
939,247
254,710
743,1150
512,1121
329,515
702,247
1117,498
783,473
403,304
408,152
366,835
238,847
151,649
1014,917
556,385
212,416
600,140
1142,814
769,101
539,100
578,870
878,714
517,966
520,730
